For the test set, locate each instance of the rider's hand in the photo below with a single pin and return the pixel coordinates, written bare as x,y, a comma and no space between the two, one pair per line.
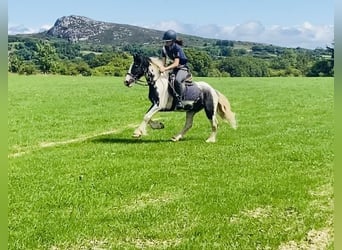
162,69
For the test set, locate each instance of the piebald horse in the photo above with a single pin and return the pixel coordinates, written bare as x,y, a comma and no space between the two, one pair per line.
162,98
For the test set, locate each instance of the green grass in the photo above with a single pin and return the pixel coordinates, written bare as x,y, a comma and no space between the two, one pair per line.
266,185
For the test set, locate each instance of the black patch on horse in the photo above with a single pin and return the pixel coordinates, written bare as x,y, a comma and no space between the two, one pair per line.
208,104
191,93
153,94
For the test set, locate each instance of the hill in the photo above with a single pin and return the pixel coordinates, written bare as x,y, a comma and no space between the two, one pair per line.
84,30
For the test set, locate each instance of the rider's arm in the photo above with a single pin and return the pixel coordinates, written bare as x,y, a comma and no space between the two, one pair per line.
173,65
164,60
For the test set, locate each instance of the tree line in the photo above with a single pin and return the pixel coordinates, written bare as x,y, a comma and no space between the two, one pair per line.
221,59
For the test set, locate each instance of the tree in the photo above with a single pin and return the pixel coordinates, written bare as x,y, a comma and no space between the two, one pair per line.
67,50
14,63
199,62
46,57
322,68
303,63
331,50
244,66
325,66
28,68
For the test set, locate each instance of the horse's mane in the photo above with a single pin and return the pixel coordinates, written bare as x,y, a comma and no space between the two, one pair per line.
157,61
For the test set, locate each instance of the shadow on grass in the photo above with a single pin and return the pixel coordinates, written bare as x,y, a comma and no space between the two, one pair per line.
127,140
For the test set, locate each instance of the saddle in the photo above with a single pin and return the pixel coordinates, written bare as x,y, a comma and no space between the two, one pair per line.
191,93
188,80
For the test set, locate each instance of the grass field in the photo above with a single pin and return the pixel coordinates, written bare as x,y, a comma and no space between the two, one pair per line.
78,180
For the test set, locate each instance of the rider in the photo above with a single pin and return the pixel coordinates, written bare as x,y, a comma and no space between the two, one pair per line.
174,51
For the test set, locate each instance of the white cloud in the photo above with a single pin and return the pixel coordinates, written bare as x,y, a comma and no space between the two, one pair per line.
166,25
248,30
21,29
305,35
45,27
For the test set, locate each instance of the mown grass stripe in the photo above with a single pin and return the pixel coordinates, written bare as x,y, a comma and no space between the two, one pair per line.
42,145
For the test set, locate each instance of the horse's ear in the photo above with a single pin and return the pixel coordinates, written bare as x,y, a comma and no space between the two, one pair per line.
137,56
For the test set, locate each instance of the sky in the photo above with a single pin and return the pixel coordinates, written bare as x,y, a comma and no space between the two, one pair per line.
289,23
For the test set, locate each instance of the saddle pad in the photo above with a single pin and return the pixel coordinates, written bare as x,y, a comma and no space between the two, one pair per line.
192,92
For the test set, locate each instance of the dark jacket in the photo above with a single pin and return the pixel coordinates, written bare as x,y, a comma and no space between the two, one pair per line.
175,51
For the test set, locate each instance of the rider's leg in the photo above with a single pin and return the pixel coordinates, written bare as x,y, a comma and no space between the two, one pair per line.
174,85
180,87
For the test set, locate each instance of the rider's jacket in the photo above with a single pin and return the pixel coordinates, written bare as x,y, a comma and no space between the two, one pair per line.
175,51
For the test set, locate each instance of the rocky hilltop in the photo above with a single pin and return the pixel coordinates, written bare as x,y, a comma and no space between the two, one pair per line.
78,28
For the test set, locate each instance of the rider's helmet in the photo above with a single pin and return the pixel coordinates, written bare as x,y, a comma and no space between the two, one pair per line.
170,35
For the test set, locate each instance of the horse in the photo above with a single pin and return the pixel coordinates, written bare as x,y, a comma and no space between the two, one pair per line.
161,95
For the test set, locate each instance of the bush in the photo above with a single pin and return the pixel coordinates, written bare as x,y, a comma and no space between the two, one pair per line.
27,68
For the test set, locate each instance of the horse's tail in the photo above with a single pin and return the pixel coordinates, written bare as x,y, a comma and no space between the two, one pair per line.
223,109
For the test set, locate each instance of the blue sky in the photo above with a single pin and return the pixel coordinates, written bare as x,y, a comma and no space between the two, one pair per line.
290,23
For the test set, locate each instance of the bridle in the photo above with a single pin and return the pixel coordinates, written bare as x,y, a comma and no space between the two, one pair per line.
149,77
136,79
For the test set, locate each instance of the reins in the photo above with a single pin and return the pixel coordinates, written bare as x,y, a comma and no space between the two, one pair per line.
141,83
137,81
148,76
160,73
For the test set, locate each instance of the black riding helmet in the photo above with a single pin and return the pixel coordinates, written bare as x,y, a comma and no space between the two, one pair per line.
170,35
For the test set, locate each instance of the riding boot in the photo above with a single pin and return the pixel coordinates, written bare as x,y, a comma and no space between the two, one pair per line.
179,88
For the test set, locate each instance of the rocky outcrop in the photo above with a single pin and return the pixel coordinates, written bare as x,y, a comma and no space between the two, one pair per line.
78,28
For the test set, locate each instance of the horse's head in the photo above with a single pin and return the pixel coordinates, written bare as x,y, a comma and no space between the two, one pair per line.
138,68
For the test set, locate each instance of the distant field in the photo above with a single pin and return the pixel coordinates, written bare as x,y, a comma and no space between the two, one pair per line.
78,180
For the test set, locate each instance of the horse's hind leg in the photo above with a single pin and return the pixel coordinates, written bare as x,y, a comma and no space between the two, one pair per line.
214,125
187,126
210,106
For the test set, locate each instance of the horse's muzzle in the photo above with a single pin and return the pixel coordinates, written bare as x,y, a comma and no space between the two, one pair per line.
129,82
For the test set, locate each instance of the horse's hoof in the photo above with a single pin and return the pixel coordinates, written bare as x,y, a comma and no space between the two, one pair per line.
211,140
175,138
156,125
136,135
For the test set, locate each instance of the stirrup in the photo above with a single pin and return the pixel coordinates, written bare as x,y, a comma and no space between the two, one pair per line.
179,105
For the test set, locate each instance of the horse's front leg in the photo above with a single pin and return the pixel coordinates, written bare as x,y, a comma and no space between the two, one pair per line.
141,130
187,126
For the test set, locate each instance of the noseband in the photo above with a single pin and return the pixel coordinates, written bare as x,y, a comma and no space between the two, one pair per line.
149,77
136,79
